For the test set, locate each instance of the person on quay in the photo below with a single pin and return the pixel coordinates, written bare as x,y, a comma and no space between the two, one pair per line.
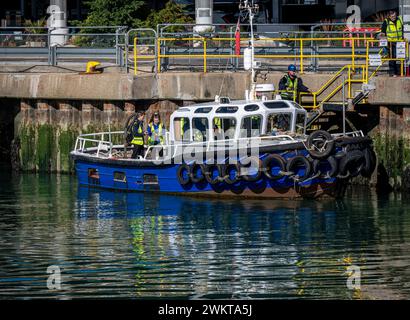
290,85
392,29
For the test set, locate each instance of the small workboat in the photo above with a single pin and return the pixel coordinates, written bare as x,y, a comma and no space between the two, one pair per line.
257,147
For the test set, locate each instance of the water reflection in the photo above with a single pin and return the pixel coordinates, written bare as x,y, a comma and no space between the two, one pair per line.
111,244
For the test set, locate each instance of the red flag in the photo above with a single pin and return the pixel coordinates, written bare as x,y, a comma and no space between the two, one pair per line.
238,38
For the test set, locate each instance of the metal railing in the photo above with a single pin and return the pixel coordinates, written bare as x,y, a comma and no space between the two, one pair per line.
178,46
51,46
143,45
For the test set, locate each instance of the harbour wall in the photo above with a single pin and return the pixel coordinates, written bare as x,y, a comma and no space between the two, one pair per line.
41,114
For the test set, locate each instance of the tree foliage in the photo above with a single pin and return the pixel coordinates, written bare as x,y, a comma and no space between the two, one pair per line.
115,13
172,13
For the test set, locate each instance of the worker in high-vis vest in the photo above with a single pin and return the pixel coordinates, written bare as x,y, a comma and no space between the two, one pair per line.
218,130
290,85
156,130
392,29
138,135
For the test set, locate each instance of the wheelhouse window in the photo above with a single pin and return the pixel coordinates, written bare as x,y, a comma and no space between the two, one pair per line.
251,126
300,123
251,107
200,128
227,110
182,129
203,110
224,128
276,105
279,122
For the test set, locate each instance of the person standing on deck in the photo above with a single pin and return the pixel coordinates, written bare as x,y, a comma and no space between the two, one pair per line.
290,85
156,130
138,135
392,29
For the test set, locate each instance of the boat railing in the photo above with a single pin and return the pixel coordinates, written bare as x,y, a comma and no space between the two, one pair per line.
212,145
354,134
101,143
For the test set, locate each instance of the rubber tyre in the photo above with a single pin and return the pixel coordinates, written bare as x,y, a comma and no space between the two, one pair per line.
317,140
208,171
227,170
370,162
195,178
253,162
183,181
354,158
333,167
300,160
267,166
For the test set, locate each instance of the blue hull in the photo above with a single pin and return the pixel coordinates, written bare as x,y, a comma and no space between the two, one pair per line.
163,178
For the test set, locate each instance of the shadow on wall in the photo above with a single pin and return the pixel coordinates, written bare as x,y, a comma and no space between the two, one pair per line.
383,186
406,179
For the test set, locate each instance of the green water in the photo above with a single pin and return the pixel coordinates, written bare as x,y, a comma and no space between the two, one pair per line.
117,245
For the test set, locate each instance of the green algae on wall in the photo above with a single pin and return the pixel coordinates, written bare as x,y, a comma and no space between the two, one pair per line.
27,135
46,157
46,148
394,154
66,143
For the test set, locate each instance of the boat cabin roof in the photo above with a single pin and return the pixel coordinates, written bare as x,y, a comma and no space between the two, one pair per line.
238,108
257,117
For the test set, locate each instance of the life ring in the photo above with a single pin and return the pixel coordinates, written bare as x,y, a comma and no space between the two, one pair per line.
276,162
370,162
197,174
254,162
183,174
351,165
228,170
320,144
331,161
298,163
209,171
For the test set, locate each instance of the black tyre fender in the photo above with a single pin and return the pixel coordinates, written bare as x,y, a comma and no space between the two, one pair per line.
267,166
253,162
128,134
194,174
320,144
299,161
334,166
226,173
352,164
370,162
180,174
208,171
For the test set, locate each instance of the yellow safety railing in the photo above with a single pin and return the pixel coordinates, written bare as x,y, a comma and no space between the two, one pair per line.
349,82
385,59
139,57
352,69
352,56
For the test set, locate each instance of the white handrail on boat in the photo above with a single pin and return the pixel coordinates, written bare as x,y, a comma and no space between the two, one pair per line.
103,145
216,143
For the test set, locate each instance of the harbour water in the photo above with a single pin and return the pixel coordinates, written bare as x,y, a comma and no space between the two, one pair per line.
118,245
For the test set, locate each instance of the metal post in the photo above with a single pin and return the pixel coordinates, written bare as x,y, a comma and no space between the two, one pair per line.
301,56
117,59
344,105
205,67
49,47
126,51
